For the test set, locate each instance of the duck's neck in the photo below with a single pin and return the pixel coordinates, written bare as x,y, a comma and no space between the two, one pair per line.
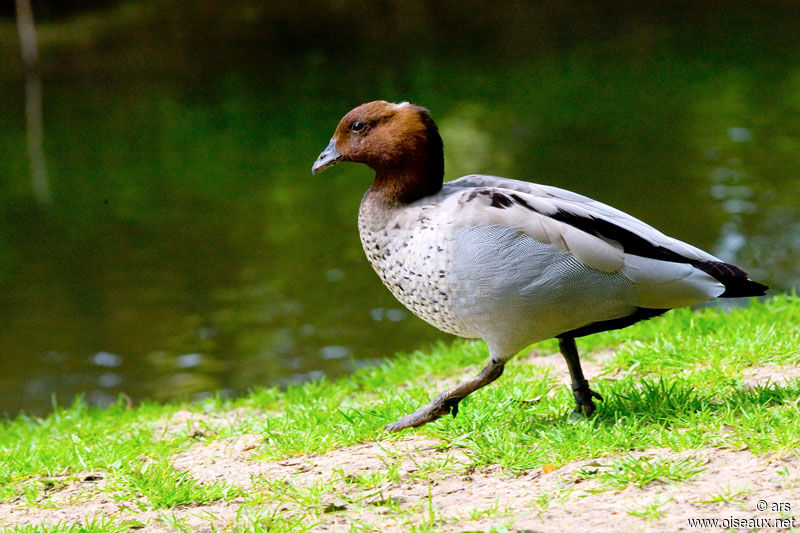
401,187
420,173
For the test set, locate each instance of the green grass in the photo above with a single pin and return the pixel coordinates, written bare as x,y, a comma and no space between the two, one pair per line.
651,511
728,495
160,486
92,524
640,471
674,382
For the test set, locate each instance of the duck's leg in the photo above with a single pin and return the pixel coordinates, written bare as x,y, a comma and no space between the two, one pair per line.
447,402
580,387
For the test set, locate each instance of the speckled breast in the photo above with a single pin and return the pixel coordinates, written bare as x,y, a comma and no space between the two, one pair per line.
412,258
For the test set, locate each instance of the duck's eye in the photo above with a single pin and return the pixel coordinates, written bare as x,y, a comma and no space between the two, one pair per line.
358,127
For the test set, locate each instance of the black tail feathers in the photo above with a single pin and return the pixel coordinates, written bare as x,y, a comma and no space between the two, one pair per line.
737,283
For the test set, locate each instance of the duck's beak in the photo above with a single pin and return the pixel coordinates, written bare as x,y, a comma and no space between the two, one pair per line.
327,158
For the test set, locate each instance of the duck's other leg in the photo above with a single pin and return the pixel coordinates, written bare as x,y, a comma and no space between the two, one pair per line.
447,401
580,387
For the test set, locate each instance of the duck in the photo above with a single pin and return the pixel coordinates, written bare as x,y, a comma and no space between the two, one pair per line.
507,261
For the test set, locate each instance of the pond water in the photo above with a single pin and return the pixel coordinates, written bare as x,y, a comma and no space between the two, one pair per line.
188,250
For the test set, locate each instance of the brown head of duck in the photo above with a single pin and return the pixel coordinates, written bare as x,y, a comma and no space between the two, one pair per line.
400,142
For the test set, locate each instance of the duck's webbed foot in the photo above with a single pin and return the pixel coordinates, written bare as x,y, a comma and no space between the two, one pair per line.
447,402
580,387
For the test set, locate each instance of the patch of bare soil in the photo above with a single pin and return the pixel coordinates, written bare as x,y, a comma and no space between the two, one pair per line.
463,497
228,460
764,375
424,482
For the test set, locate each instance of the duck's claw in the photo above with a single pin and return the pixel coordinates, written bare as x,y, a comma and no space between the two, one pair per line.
584,400
440,406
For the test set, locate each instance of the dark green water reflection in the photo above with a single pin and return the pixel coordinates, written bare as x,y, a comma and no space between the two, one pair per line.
189,250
